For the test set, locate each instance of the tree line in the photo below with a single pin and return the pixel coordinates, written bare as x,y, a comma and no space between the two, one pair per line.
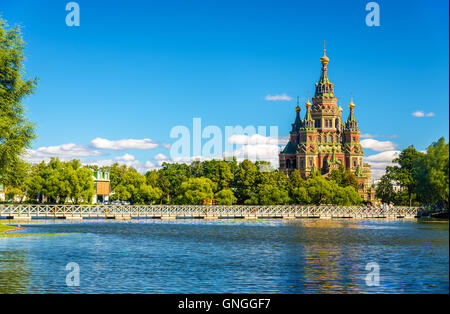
418,177
201,182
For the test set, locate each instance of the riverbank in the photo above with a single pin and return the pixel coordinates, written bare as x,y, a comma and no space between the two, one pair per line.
6,231
6,228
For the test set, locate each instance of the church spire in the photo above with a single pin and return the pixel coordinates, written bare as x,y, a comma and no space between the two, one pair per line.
324,87
308,122
298,122
351,121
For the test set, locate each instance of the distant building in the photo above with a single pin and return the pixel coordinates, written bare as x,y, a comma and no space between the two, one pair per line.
102,186
323,142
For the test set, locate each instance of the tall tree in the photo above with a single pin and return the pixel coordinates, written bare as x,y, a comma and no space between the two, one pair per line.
432,174
196,191
16,132
404,173
385,189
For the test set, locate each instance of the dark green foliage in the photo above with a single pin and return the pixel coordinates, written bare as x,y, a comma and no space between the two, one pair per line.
420,178
432,174
404,174
60,182
16,132
343,178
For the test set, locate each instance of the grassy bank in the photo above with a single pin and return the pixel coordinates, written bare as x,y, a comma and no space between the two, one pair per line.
5,232
6,228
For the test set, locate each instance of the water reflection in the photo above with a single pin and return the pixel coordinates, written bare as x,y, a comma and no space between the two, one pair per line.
229,256
14,272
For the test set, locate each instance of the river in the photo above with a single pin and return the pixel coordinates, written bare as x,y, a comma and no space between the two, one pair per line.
229,256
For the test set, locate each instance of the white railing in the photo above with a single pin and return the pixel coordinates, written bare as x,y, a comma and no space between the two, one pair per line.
204,210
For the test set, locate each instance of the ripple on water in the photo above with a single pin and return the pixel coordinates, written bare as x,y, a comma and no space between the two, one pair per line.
228,256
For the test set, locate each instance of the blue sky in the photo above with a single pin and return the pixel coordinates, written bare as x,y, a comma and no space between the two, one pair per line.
136,69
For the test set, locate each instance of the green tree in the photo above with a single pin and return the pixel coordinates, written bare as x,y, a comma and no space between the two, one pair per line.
245,179
223,175
129,188
268,194
16,132
225,197
171,176
16,175
343,177
35,182
404,174
14,193
196,191
432,174
149,194
152,177
85,187
116,173
385,189
345,196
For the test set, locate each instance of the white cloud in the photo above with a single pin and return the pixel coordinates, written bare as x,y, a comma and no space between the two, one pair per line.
63,152
262,152
257,147
128,160
283,140
167,146
367,135
379,146
100,163
282,97
103,143
383,157
161,157
125,158
421,114
379,162
256,139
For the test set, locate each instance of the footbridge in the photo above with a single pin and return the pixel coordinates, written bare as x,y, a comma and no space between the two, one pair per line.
124,212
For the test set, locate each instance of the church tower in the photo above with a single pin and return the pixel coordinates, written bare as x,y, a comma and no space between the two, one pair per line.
321,141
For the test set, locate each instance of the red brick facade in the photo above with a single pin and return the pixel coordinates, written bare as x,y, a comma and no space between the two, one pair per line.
322,141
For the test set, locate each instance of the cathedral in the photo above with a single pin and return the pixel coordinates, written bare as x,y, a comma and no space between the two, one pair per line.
322,141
